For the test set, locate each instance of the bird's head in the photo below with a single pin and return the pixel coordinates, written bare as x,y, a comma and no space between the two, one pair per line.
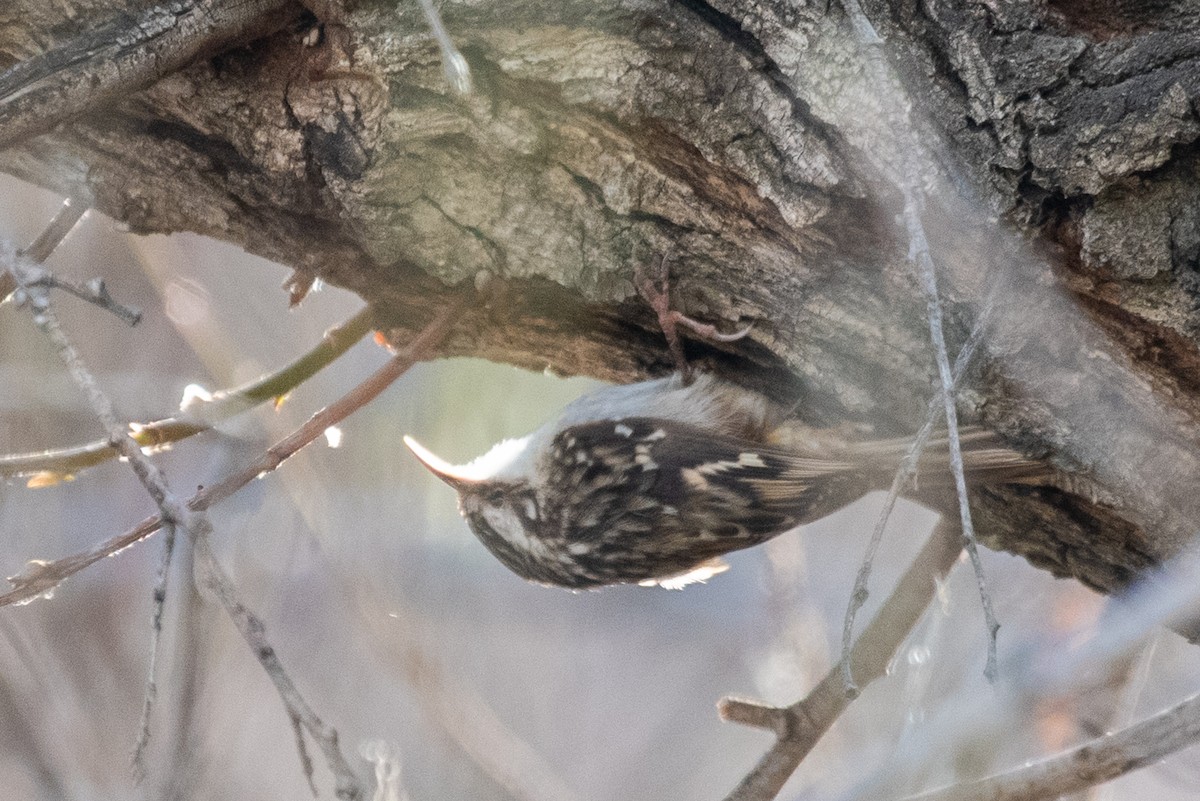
497,497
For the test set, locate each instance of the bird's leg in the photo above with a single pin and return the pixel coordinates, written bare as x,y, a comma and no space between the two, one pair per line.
657,293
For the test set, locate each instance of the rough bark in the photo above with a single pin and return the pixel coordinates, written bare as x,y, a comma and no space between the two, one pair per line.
727,135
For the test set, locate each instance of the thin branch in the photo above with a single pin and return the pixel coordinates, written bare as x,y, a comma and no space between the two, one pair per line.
150,693
94,292
910,181
1100,760
455,67
306,763
49,466
921,257
1165,597
56,231
254,632
30,281
68,216
41,577
174,513
111,61
904,474
800,726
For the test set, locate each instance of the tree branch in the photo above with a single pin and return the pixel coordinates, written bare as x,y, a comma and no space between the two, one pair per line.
254,632
50,466
1095,762
173,513
904,474
1167,597
800,726
910,167
40,577
60,226
113,60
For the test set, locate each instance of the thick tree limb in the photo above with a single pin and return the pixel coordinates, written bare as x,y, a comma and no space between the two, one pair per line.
122,56
601,136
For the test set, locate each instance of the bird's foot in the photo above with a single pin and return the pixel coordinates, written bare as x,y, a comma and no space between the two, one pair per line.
657,293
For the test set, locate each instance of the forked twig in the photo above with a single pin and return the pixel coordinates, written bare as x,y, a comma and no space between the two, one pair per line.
174,514
64,221
909,181
31,282
48,466
800,726
40,577
904,474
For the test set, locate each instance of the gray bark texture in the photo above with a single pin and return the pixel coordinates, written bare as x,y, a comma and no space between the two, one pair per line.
745,141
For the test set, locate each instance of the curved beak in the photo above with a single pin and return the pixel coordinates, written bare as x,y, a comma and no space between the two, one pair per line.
447,472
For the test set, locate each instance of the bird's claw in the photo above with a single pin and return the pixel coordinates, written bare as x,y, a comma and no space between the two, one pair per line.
657,293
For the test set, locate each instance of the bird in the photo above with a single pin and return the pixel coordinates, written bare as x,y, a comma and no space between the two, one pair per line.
653,482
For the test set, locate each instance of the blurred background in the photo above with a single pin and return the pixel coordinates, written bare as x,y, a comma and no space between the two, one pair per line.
397,625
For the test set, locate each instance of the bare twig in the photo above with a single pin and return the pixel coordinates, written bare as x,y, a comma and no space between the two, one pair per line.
920,255
111,61
69,214
53,235
50,465
173,512
904,473
457,71
909,179
30,280
150,693
94,292
1100,760
1164,598
306,763
800,726
40,577
253,631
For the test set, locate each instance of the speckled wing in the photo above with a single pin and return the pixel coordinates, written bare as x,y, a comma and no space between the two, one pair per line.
702,493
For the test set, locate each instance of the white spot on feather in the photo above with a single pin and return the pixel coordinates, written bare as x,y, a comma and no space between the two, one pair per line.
694,478
697,575
641,455
745,459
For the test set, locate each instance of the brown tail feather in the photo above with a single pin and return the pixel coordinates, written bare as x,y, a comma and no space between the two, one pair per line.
985,457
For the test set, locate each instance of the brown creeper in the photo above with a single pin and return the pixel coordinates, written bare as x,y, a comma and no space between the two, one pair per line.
653,482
